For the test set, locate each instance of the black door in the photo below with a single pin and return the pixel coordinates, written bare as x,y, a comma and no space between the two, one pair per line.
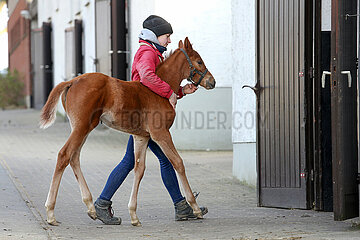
119,36
47,59
344,108
284,38
323,186
359,104
79,68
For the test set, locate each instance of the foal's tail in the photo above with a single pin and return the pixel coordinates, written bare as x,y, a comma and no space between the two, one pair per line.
48,113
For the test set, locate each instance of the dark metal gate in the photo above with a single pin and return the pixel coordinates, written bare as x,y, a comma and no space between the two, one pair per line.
284,35
344,108
119,36
47,59
358,80
78,37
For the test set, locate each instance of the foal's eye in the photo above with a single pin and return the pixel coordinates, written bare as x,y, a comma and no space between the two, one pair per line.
199,62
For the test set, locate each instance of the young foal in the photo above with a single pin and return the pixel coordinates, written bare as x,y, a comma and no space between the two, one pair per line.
125,106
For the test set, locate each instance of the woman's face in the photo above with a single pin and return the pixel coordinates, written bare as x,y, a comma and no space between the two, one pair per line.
164,39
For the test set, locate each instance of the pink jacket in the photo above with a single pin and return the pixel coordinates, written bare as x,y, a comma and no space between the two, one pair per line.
143,69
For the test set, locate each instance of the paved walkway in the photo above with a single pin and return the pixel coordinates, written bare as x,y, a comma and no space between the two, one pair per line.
28,157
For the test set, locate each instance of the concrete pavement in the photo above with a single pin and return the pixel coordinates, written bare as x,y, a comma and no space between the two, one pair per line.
28,157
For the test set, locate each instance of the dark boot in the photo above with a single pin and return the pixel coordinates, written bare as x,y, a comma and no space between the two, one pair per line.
183,211
104,212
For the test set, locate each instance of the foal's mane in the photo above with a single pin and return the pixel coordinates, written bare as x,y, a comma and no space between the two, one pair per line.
169,55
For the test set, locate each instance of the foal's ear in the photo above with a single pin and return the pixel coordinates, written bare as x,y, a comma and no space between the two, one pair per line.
187,43
181,45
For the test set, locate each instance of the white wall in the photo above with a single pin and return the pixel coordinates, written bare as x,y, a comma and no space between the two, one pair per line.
244,100
326,15
62,15
207,23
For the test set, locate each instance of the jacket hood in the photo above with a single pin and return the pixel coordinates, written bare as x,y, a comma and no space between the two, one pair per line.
149,35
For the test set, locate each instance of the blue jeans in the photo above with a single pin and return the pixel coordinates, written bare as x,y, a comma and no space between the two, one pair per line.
120,172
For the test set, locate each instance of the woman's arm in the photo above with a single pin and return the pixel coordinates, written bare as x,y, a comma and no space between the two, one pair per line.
146,69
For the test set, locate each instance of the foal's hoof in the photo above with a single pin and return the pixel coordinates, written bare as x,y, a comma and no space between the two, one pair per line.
199,216
201,213
92,215
53,222
136,223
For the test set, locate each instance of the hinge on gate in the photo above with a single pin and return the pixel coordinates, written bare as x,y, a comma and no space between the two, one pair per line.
307,175
311,72
358,178
312,175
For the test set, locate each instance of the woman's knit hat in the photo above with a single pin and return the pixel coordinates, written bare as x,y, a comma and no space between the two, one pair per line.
158,25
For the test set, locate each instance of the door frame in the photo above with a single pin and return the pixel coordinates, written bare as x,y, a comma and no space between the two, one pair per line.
344,109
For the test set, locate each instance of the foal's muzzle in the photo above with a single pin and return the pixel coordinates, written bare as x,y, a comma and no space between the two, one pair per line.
210,83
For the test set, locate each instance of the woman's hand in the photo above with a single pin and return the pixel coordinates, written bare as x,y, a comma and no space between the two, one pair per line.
189,88
173,100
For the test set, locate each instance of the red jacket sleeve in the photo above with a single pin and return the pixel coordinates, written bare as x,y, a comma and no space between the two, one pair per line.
146,69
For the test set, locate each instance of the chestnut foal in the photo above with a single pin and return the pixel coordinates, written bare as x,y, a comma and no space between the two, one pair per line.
125,106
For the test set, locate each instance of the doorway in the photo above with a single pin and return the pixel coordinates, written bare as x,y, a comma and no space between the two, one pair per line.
307,147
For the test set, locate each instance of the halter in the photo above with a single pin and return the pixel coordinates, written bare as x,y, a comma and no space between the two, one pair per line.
194,71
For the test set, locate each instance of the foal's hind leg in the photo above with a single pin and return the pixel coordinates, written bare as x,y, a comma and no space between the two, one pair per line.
68,151
140,154
84,189
163,139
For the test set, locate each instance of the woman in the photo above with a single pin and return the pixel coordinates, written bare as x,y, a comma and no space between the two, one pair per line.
154,39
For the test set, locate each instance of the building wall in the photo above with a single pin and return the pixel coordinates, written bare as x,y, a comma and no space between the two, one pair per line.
203,121
19,46
62,15
244,100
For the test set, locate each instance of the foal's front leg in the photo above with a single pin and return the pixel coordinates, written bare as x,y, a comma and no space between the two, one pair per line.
163,139
139,168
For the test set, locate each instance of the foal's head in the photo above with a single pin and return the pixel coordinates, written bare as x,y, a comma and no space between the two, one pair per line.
197,72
